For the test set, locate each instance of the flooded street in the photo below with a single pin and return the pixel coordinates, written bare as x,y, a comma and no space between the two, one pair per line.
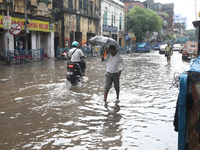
39,109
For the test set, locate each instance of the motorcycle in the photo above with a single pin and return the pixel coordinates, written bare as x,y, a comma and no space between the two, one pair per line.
73,72
62,55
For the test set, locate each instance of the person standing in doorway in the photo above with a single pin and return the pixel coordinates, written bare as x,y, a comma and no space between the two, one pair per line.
168,52
115,65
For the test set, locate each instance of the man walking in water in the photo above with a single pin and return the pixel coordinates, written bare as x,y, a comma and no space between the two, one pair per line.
115,64
169,52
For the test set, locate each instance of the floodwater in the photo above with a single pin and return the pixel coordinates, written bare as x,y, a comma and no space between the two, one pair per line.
39,109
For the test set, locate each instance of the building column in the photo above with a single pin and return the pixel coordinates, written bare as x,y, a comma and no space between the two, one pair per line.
11,42
33,45
51,45
38,40
33,40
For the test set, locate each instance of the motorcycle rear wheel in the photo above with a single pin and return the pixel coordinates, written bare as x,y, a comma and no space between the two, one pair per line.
72,80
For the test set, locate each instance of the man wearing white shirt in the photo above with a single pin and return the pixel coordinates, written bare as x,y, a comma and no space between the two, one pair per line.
115,64
75,54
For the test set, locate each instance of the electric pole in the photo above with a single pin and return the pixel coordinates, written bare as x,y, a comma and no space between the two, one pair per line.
25,25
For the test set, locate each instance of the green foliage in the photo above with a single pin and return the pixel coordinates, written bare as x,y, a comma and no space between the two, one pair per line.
56,10
141,20
164,14
167,37
44,1
191,34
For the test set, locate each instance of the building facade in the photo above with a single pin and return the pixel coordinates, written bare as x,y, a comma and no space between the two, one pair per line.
130,39
179,30
179,19
36,23
113,19
149,4
131,4
77,20
169,9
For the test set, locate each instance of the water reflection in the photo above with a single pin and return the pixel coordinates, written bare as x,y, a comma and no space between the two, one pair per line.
111,132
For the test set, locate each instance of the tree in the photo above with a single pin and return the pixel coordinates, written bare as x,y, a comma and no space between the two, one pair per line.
167,37
191,34
140,21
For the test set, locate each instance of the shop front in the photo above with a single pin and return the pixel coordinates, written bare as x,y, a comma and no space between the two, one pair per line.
121,38
39,34
89,35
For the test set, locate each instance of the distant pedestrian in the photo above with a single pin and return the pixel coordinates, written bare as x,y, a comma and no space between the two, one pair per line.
168,52
90,49
84,48
115,64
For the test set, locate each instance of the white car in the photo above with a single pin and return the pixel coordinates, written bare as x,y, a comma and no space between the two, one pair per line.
177,47
162,49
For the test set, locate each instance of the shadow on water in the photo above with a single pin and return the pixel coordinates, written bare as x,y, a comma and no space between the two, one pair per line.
39,109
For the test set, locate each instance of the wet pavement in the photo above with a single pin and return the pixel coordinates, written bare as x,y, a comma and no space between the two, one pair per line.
39,109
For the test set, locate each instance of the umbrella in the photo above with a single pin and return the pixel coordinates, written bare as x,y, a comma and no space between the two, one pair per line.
104,41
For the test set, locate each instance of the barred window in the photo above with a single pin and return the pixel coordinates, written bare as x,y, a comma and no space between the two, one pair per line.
80,4
91,7
85,6
70,5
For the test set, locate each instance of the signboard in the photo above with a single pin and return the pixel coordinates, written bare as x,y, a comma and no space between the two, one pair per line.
34,25
7,22
110,28
126,37
15,28
131,34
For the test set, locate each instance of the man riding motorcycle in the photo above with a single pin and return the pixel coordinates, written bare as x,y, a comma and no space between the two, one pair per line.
75,54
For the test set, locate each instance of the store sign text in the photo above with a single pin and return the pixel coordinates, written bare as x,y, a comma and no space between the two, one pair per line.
34,25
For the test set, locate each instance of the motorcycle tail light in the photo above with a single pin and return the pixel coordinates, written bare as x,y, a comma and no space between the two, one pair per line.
70,66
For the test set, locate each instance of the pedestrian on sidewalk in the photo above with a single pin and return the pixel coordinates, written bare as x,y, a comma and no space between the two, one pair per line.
115,65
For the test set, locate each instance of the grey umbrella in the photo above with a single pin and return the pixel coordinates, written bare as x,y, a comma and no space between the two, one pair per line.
104,41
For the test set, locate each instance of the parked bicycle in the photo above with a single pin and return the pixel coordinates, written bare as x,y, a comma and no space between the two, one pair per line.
8,56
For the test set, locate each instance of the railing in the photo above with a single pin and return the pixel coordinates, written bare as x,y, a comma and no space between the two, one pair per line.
22,55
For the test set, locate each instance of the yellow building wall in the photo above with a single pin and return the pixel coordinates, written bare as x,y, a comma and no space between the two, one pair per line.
122,40
40,9
86,23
